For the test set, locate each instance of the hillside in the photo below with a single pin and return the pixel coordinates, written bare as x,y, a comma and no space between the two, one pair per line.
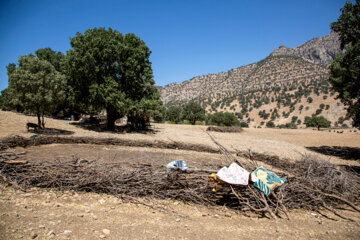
320,50
289,83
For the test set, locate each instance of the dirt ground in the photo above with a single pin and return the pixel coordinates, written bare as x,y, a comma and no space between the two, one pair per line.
49,214
287,143
52,214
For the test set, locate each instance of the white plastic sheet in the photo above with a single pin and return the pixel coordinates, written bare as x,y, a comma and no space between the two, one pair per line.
179,164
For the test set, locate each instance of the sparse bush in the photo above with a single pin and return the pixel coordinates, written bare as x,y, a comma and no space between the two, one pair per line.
291,125
244,125
301,108
294,118
341,120
270,124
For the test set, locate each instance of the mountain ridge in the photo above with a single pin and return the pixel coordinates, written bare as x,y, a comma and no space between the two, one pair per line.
321,50
282,82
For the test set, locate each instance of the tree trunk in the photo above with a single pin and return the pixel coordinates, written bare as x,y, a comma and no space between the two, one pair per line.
38,116
42,121
111,116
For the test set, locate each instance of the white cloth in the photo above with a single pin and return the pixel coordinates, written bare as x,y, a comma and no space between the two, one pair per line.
234,174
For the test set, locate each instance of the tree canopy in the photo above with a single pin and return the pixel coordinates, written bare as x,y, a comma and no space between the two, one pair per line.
109,70
35,85
222,119
318,122
173,113
345,69
193,112
55,58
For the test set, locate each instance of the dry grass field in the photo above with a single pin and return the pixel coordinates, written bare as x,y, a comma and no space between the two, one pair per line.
52,214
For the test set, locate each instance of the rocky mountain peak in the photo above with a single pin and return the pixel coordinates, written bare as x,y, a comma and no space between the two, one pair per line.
321,50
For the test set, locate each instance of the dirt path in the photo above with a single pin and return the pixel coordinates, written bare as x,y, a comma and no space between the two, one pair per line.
48,214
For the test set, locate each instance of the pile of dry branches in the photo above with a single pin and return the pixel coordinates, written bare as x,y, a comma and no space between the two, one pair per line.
36,140
312,184
224,129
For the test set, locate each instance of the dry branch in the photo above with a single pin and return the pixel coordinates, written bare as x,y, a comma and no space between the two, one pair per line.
314,184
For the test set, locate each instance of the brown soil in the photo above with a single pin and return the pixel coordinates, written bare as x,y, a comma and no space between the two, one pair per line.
47,214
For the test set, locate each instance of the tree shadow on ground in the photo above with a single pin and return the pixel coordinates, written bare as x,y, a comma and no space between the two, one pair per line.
346,153
51,131
118,129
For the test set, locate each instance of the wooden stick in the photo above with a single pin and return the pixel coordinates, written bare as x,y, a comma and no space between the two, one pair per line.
16,162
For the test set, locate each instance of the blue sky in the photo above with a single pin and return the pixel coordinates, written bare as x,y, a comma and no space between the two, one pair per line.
187,38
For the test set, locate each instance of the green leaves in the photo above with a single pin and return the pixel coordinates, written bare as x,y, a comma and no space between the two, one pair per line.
173,114
345,69
317,122
222,119
109,70
348,24
36,85
193,112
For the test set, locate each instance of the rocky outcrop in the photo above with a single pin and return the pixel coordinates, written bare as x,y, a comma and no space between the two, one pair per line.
320,50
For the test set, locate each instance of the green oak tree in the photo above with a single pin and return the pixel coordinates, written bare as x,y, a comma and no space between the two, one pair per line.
112,71
55,58
222,119
318,122
345,69
193,112
36,86
6,101
173,113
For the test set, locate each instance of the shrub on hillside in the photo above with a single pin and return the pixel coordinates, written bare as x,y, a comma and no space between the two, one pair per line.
317,122
199,123
244,125
222,119
288,125
270,124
